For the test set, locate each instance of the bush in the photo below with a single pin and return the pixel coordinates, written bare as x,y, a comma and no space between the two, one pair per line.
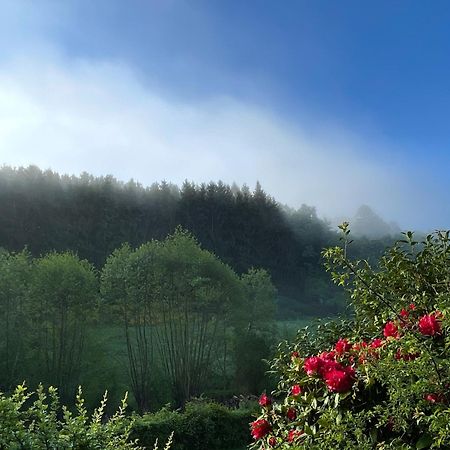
385,380
36,421
199,426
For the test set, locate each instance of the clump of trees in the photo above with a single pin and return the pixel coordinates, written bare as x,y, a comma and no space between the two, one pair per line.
62,300
380,380
177,305
182,313
46,304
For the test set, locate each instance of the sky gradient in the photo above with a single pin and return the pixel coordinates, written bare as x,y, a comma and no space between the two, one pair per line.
327,103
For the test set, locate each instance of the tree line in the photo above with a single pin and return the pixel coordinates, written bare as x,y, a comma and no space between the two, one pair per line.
92,216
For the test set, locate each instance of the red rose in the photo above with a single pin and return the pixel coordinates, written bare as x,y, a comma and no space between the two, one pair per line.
296,390
260,428
264,400
434,398
291,414
429,325
342,346
350,371
294,434
273,441
391,330
328,356
376,343
312,365
328,365
340,380
404,314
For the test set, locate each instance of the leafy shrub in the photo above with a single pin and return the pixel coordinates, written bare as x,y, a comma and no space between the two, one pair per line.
199,426
35,421
382,380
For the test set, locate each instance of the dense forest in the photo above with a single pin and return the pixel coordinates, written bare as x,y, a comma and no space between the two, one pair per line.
92,216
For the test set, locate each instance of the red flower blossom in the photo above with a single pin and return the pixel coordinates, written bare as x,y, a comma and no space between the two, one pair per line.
350,371
376,343
429,325
391,330
294,434
340,380
295,355
328,365
412,306
264,400
342,346
404,314
260,428
313,365
273,441
291,414
328,356
434,398
296,390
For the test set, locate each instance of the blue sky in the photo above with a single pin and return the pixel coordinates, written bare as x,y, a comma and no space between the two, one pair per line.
328,103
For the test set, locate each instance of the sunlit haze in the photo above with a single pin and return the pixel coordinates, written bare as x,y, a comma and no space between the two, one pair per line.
332,104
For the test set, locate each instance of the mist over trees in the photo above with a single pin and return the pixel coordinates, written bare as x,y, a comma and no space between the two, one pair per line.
92,216
367,223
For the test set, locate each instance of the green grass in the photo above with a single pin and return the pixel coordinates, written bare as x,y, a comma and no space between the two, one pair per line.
287,329
105,363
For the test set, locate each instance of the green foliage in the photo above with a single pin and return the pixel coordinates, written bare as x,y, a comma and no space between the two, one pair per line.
180,301
189,323
129,285
36,421
245,228
63,298
254,328
378,381
200,426
15,279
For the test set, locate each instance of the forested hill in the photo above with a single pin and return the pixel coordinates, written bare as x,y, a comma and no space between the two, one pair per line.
44,211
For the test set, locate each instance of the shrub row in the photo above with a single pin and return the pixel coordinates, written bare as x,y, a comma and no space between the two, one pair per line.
199,426
37,421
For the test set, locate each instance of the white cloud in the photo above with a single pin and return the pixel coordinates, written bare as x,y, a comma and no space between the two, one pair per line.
75,116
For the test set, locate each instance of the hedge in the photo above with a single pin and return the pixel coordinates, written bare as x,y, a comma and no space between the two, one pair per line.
199,426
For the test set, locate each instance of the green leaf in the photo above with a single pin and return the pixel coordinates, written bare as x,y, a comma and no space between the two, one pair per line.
424,442
336,400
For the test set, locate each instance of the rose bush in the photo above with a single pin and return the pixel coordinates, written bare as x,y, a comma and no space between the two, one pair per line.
381,380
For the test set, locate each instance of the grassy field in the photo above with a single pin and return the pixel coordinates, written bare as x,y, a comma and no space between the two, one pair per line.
106,363
287,329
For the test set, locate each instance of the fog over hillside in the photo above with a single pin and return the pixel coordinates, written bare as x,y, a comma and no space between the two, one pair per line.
366,222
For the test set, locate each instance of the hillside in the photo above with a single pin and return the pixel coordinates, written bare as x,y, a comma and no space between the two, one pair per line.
45,211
